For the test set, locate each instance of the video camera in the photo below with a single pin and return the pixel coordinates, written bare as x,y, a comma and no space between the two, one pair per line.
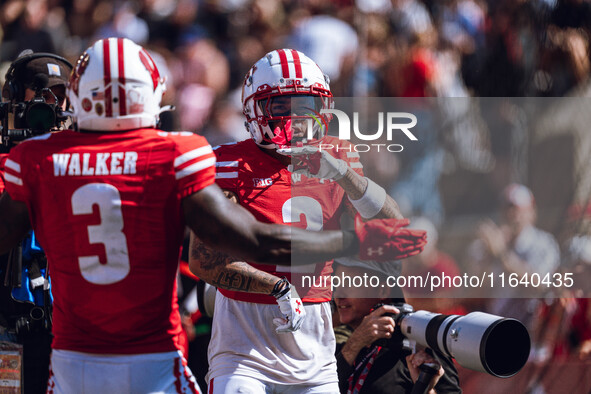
33,117
478,341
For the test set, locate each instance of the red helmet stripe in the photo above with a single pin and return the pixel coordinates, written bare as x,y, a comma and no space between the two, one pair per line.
296,63
107,78
284,64
150,65
121,64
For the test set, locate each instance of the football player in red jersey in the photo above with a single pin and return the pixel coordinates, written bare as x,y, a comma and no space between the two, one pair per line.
109,203
246,350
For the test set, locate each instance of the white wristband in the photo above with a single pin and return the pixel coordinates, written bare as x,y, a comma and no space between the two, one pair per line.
372,201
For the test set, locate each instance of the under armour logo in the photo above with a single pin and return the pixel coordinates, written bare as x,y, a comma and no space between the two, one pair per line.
379,251
298,302
298,310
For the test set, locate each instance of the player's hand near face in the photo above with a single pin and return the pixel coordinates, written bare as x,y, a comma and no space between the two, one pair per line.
315,163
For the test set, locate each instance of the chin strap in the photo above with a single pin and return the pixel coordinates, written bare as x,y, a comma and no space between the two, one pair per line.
282,134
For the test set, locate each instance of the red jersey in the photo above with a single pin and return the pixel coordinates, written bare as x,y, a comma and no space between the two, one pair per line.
266,188
106,208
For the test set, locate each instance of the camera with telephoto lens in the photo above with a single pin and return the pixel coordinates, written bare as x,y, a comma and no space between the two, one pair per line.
479,341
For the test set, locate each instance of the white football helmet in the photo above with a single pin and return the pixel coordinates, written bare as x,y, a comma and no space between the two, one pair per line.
286,74
115,86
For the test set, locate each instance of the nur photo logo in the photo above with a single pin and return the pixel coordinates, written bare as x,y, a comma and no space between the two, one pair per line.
392,124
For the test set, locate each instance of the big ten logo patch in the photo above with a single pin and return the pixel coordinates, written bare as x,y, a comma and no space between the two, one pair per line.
262,182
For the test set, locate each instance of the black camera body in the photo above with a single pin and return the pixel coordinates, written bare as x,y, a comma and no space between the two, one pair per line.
396,341
479,341
31,118
401,306
37,71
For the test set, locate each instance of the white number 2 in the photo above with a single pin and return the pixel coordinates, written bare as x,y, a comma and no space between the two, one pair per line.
292,211
302,205
108,232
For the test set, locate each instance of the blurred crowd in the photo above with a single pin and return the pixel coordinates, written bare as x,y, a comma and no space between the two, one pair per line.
385,48
379,48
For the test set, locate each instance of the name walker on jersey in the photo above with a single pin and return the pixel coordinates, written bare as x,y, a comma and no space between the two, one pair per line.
99,163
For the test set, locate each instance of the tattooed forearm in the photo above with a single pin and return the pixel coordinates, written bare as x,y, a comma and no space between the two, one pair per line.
219,269
240,276
353,184
390,210
207,258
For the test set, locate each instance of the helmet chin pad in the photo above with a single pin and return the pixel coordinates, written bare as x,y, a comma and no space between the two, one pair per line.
283,133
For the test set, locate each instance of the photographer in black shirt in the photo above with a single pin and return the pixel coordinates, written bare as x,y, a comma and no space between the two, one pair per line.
372,357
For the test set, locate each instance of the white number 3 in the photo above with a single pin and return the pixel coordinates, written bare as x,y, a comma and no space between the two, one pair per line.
108,232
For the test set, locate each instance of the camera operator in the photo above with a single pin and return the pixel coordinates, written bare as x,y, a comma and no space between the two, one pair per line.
371,355
34,98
